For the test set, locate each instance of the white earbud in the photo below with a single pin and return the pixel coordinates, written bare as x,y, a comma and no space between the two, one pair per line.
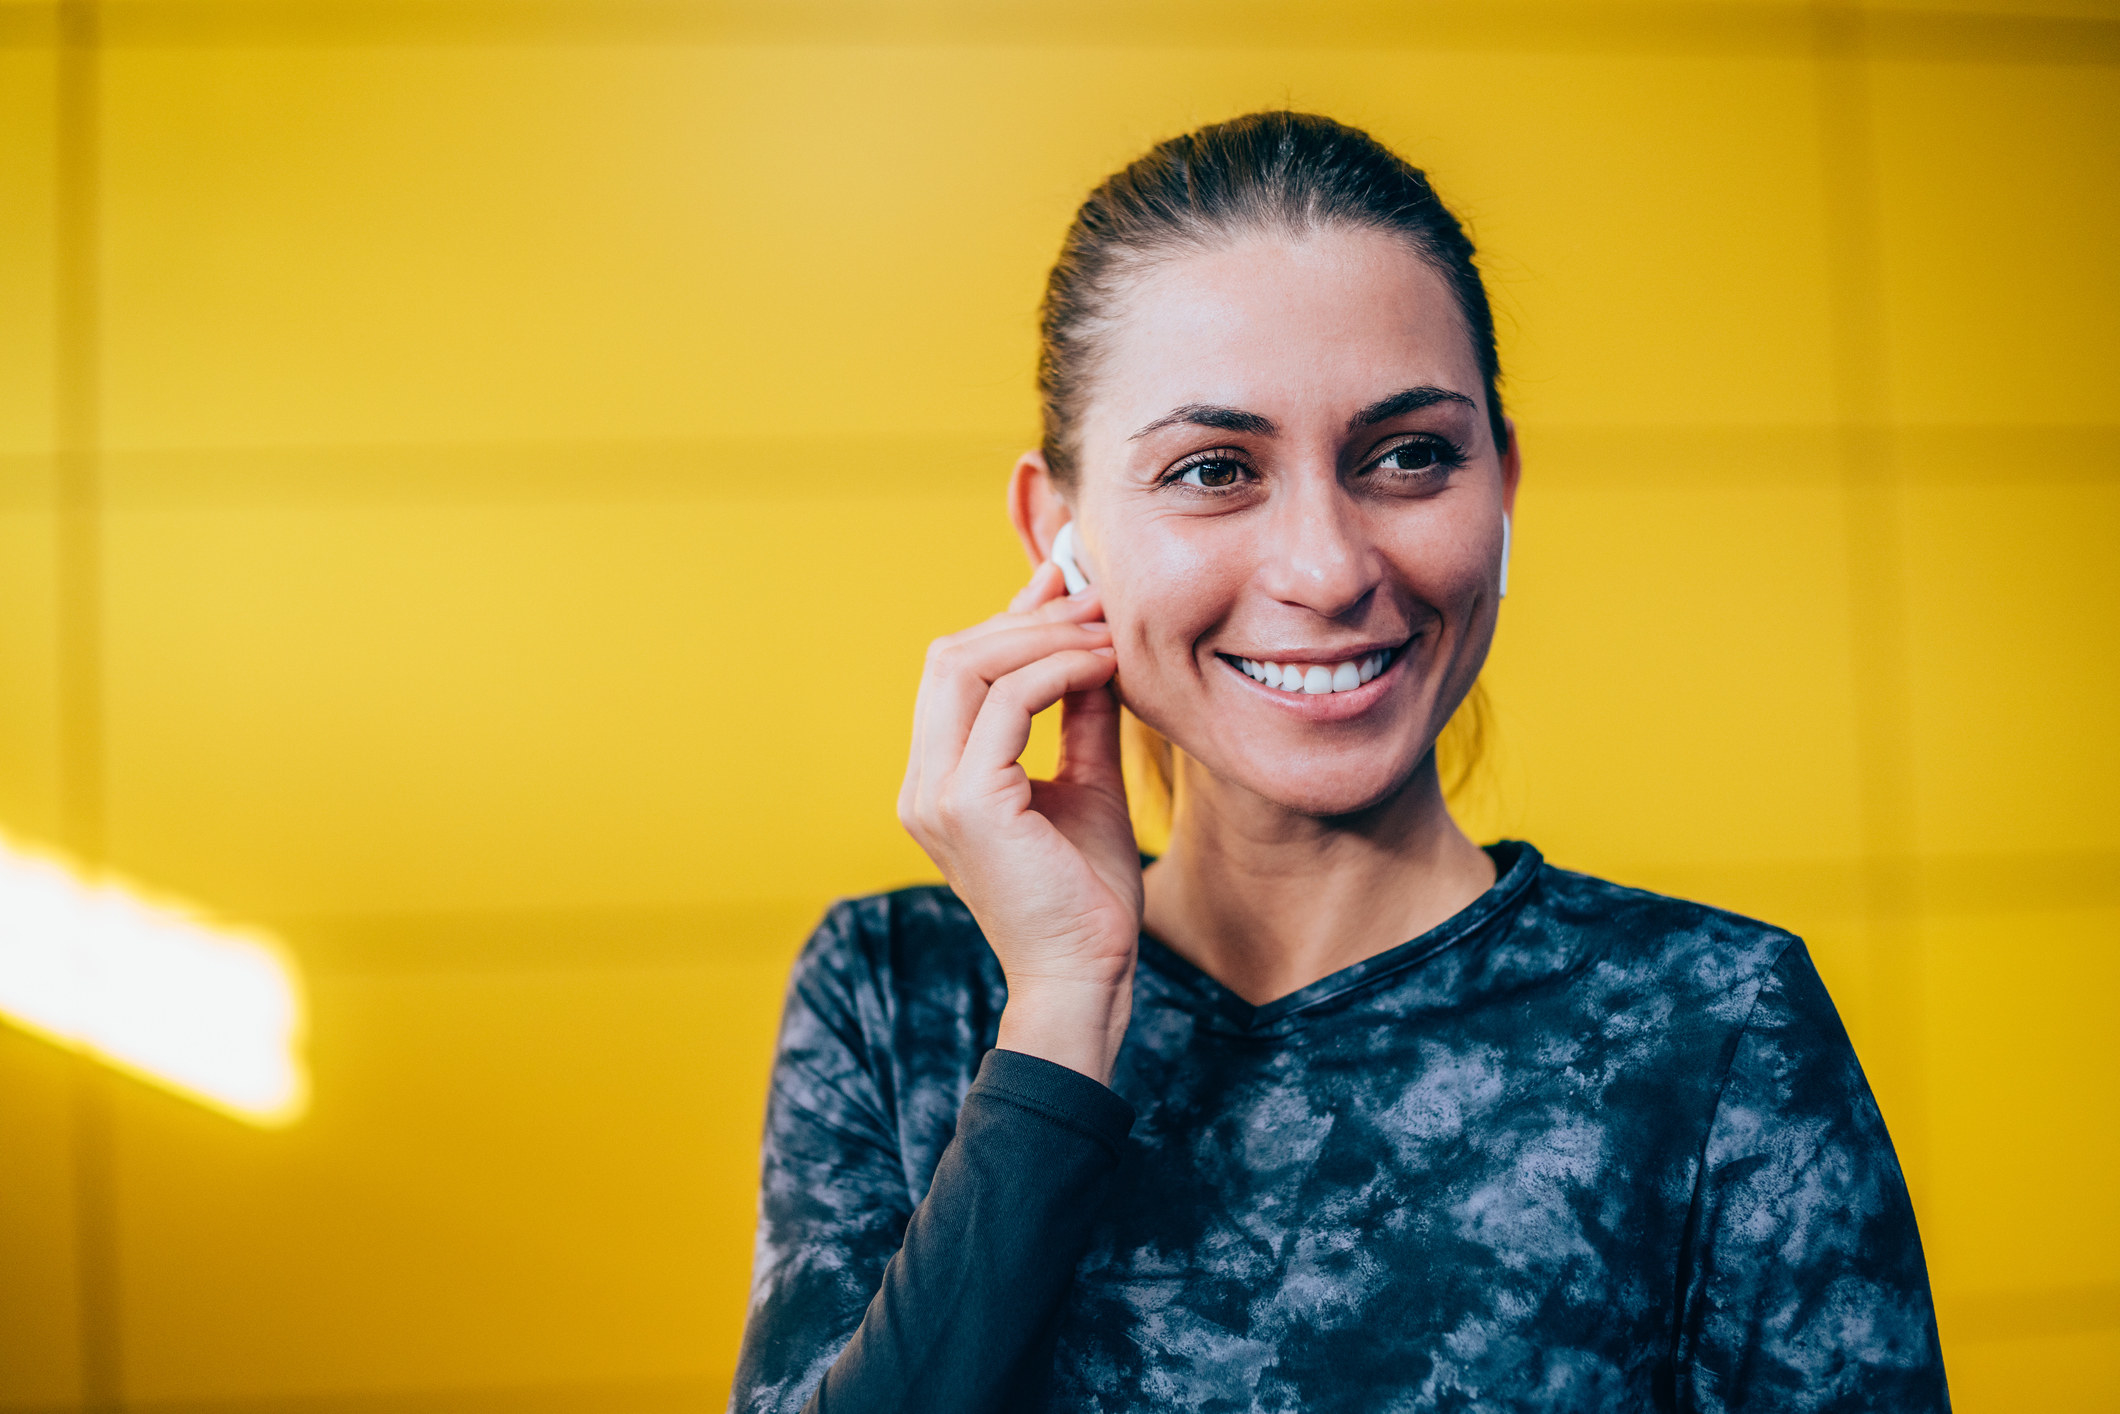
1505,555
1064,553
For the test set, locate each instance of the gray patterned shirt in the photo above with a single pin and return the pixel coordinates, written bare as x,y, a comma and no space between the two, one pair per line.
1578,1148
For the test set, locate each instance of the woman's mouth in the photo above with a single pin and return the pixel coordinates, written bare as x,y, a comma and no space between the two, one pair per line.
1315,679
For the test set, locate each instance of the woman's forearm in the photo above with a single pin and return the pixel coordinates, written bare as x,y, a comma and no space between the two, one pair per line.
964,1318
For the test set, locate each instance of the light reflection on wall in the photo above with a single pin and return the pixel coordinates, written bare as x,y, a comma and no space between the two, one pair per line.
207,1013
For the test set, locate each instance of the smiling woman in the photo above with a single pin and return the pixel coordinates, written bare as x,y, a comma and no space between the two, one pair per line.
1327,1107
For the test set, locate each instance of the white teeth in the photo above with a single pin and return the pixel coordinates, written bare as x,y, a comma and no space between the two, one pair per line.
1317,678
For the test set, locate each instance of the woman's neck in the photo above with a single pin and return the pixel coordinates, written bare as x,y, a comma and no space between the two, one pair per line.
1267,901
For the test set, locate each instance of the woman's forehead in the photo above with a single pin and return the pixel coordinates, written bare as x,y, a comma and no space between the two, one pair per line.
1325,324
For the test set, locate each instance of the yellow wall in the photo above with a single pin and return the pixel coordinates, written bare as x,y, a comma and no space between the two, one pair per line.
460,465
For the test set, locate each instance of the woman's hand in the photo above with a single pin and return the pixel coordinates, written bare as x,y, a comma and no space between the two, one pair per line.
1049,868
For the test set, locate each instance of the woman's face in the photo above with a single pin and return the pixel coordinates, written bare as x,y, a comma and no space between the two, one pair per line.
1286,459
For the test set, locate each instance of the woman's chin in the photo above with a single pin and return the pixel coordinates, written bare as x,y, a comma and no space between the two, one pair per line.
1327,792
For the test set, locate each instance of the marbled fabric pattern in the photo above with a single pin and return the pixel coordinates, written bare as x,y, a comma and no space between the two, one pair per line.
1580,1148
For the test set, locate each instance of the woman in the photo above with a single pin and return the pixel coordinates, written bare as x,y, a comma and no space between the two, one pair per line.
1076,1134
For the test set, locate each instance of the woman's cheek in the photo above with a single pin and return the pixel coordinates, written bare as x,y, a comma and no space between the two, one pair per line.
1172,594
1156,647
1143,670
1449,575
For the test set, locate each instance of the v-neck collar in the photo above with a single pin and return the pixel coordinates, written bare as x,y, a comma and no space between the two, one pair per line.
1516,865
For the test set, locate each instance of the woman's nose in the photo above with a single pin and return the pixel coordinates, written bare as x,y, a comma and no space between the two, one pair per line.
1318,554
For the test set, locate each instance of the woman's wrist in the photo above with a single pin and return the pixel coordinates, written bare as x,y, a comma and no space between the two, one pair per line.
1078,1025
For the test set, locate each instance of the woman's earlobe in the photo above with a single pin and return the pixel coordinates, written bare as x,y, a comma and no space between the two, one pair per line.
1504,594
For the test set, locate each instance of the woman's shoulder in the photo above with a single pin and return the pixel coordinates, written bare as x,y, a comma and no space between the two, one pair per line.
1674,944
1588,901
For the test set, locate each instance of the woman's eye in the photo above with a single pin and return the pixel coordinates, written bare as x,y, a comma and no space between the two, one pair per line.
1212,475
1416,456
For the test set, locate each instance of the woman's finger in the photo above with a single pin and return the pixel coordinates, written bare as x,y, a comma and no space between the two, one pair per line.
1082,608
961,672
1063,610
1089,740
1003,726
1046,583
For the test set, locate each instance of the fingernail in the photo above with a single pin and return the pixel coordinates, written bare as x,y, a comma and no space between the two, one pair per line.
1104,652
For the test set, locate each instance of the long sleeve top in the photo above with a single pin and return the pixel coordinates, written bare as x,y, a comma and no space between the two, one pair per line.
1578,1148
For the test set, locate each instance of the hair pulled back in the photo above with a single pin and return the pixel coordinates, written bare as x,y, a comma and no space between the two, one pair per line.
1275,173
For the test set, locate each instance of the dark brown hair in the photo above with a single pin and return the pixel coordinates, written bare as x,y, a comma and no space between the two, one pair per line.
1289,173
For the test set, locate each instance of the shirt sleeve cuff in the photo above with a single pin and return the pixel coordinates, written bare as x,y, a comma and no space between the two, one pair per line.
1066,1096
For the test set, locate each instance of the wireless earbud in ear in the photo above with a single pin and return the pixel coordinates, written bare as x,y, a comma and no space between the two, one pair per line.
1064,555
1505,556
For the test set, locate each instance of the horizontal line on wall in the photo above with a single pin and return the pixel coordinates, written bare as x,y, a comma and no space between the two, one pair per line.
890,466
1921,455
1939,886
698,1396
730,468
770,930
2016,1315
1790,30
547,939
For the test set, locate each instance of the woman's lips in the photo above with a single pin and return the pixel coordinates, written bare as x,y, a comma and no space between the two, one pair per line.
1316,679
1332,703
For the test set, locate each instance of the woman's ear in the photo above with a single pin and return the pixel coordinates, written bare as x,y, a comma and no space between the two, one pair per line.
1512,468
1036,507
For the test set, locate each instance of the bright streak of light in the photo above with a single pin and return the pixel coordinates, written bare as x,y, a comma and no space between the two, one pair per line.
213,1015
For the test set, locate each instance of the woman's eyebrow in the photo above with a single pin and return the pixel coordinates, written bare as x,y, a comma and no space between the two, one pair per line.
1222,419
1403,402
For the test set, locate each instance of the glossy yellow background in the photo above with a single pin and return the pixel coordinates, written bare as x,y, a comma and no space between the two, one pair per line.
476,477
